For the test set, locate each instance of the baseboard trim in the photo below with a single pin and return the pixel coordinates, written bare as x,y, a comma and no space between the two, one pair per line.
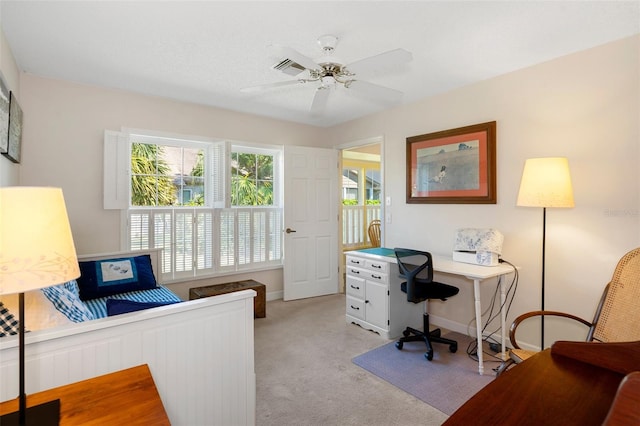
275,295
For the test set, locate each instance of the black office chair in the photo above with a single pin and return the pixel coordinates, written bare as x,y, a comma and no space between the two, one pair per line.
420,287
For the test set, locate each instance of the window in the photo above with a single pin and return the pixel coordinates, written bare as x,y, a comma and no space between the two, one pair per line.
251,178
161,175
212,206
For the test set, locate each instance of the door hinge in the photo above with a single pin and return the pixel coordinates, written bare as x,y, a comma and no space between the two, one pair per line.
388,293
388,322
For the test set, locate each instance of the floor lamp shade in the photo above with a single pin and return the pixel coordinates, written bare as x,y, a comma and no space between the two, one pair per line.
546,182
36,251
36,246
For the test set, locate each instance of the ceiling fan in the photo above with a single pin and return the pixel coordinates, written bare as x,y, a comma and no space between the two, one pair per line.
329,72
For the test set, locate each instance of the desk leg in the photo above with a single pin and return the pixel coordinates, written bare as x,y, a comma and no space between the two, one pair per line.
503,318
476,295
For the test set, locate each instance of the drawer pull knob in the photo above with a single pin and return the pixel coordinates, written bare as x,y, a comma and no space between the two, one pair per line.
376,266
353,286
355,307
353,271
377,277
357,262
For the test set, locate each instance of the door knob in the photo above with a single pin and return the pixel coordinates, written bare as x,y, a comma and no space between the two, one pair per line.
289,230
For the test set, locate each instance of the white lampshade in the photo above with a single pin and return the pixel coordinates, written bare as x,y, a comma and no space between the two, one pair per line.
36,246
546,182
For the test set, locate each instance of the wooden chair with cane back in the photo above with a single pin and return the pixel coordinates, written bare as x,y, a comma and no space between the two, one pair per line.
374,232
617,317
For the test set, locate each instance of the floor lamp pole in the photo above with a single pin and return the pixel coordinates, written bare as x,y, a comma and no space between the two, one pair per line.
22,403
544,233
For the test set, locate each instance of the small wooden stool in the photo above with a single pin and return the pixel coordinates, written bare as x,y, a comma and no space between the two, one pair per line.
259,302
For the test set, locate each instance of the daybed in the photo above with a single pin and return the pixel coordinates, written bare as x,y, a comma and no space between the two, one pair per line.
200,353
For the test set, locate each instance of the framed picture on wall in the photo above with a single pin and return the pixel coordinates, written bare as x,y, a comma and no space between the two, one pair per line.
456,166
15,130
4,116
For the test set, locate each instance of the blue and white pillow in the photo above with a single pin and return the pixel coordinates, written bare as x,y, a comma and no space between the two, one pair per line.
8,323
73,287
107,277
68,302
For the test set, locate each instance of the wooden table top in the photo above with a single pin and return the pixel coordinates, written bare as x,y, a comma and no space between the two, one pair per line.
128,397
569,386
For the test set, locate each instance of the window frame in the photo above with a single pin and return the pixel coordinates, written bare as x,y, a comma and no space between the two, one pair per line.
270,242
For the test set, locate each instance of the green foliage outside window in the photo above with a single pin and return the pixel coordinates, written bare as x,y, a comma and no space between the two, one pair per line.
154,184
151,184
251,179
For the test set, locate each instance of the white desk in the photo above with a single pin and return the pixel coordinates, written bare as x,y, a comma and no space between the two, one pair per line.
475,273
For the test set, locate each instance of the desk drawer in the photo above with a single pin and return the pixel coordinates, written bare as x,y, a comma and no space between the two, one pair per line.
355,286
377,277
355,307
375,265
357,272
358,262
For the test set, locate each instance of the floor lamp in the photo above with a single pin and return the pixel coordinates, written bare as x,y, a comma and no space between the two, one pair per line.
36,251
546,182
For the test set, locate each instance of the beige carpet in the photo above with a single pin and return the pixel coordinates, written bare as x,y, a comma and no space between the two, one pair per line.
305,375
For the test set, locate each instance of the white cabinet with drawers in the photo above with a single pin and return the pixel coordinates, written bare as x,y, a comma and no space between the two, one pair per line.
374,299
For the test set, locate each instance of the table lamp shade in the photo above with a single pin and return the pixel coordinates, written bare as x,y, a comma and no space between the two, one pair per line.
546,182
36,245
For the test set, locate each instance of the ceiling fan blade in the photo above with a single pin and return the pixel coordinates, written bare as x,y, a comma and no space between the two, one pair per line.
374,91
379,62
296,56
320,100
270,85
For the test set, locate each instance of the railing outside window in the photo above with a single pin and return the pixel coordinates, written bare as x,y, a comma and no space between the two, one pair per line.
355,221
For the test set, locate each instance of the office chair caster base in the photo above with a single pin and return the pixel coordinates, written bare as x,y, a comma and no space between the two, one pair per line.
399,345
429,355
453,348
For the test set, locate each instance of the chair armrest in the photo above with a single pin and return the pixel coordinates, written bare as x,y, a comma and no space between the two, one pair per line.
625,409
519,319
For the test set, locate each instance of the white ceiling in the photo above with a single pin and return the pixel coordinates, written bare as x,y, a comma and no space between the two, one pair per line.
206,51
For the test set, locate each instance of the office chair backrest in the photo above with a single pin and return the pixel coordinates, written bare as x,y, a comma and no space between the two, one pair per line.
618,316
415,266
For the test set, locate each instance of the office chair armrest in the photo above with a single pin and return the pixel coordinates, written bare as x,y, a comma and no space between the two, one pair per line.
519,319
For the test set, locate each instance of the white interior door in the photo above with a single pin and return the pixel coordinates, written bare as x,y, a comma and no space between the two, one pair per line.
310,222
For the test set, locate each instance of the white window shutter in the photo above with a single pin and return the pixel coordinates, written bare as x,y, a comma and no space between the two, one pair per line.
218,172
116,170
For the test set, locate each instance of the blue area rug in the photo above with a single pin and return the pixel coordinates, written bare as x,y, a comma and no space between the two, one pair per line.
445,383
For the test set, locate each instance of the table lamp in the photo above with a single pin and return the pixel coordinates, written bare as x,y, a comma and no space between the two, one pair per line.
546,182
36,251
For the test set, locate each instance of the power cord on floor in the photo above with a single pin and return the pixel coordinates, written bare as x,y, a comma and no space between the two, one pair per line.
472,348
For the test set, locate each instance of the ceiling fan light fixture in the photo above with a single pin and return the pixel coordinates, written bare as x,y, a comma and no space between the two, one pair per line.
327,82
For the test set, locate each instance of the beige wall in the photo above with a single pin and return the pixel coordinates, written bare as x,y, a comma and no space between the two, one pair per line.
584,106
